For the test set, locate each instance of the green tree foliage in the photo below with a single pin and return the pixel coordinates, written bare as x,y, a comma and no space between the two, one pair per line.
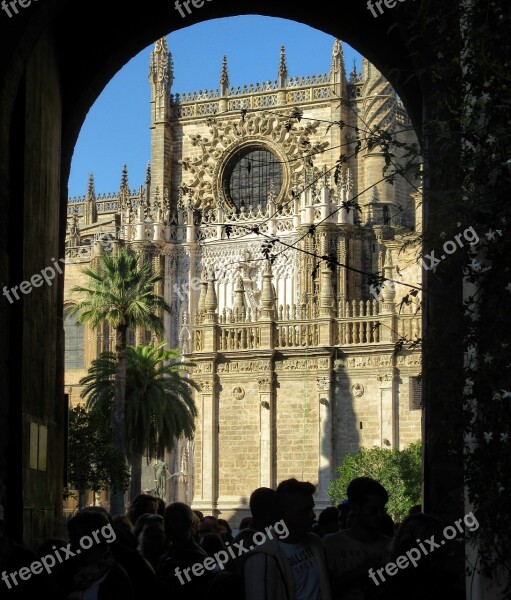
93,463
399,471
159,400
121,291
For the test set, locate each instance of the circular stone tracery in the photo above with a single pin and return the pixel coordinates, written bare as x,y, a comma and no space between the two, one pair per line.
251,174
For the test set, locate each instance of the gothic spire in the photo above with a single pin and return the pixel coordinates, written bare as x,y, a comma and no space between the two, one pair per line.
337,55
91,194
124,190
161,78
267,293
161,65
283,67
148,175
239,307
389,292
211,303
224,77
90,202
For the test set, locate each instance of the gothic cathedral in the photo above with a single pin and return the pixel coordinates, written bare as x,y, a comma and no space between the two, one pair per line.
299,360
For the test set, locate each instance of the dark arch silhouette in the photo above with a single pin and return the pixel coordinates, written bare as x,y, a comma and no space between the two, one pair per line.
56,56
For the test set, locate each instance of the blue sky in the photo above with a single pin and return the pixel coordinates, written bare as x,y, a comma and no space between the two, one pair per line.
116,130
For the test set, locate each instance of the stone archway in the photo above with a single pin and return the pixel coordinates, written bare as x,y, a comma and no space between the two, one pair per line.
57,56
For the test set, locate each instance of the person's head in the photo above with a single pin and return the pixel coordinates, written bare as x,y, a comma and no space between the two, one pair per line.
416,509
261,506
212,543
91,532
160,510
294,504
225,530
142,504
200,514
245,523
179,522
209,525
328,520
344,509
367,499
419,527
149,521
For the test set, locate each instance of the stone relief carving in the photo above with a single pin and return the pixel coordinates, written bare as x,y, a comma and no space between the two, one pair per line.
301,364
264,384
360,362
238,393
200,368
206,387
357,389
384,377
410,360
323,383
244,366
204,183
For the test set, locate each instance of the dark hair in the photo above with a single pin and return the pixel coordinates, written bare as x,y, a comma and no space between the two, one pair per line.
261,502
362,487
147,519
225,524
85,522
328,515
287,491
180,511
245,523
140,506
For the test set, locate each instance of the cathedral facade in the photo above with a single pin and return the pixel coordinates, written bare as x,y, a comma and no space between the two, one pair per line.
300,359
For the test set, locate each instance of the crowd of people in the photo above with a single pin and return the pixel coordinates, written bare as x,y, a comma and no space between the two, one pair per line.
280,552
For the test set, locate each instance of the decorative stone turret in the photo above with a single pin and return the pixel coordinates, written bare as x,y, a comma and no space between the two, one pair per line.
326,300
239,307
211,301
337,71
90,210
267,293
148,180
224,85
161,78
282,78
201,309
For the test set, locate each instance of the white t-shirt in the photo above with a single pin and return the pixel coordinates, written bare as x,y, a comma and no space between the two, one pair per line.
305,570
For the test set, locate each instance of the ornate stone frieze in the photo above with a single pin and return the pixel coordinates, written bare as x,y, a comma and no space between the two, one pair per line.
204,183
361,362
302,364
249,366
384,377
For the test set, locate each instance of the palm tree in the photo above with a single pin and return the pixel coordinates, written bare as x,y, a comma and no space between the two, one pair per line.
121,292
159,401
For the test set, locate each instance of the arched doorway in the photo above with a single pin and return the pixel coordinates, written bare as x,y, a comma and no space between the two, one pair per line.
56,59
